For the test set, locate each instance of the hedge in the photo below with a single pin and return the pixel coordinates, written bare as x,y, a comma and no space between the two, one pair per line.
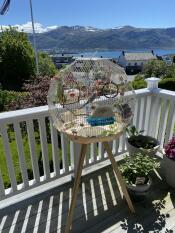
8,97
168,84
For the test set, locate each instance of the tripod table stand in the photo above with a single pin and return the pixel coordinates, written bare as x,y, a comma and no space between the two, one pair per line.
84,142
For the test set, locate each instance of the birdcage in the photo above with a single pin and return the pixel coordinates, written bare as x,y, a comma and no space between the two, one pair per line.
91,98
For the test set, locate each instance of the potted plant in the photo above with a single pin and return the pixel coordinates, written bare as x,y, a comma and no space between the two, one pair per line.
136,172
137,142
169,162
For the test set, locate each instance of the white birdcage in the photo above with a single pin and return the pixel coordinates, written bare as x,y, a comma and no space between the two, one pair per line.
91,98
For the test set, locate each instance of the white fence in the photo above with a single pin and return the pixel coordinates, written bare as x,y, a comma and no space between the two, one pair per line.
154,112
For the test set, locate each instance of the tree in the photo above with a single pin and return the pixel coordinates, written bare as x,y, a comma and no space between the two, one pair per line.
173,59
155,68
170,72
46,65
16,59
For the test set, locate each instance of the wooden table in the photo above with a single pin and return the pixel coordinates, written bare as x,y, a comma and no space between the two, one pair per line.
84,143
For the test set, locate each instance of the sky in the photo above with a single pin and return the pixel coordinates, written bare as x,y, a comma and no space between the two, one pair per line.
97,13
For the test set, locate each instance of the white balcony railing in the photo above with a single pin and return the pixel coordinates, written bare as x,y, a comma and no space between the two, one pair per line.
154,112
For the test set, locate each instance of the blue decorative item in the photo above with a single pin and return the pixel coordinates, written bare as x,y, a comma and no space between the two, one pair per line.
97,121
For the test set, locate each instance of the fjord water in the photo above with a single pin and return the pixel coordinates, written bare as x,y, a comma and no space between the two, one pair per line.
116,53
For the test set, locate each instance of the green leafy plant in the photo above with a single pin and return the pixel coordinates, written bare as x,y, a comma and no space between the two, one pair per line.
138,140
139,82
168,84
138,166
132,131
17,62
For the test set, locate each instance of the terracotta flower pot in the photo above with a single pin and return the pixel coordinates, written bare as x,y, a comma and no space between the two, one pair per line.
169,167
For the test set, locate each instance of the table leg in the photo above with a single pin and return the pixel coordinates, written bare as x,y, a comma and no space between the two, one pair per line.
75,188
119,176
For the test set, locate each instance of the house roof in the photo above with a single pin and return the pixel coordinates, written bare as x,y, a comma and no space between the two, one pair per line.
139,56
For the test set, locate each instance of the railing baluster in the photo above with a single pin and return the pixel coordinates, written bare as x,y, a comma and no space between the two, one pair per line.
124,142
9,161
138,113
32,148
163,123
142,113
2,189
115,146
21,155
55,149
135,113
154,116
120,145
93,152
72,156
44,148
147,114
157,117
101,150
87,154
75,149
64,147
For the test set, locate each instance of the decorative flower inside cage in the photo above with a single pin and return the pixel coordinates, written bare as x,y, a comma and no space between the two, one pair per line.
91,98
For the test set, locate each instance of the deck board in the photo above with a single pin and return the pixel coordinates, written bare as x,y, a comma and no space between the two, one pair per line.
99,208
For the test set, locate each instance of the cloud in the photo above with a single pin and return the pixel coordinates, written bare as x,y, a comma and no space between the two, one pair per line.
39,28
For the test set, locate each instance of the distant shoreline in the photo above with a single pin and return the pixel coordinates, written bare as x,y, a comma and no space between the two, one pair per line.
116,53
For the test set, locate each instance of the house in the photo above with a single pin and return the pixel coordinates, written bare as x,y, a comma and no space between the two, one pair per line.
167,60
133,62
83,64
62,59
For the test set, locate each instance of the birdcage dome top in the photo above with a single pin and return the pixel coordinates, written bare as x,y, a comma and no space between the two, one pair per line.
91,98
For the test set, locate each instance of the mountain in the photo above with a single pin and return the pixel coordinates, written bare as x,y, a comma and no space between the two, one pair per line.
90,38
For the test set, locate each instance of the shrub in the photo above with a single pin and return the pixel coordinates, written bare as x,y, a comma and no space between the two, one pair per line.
168,84
46,65
7,97
35,94
170,72
139,82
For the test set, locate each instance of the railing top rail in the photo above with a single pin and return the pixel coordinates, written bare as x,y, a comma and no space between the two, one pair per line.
23,113
28,113
163,92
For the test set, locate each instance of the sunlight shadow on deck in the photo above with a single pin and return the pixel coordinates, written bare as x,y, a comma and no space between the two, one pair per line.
99,208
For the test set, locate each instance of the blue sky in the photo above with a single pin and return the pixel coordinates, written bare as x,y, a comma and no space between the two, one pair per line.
97,13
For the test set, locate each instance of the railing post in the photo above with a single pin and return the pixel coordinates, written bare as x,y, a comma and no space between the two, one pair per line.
152,83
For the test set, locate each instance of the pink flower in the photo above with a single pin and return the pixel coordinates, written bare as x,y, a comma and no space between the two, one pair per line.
170,149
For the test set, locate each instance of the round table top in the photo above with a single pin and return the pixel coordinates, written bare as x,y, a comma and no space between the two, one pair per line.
88,140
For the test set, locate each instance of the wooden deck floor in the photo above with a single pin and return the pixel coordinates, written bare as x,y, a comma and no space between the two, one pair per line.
99,208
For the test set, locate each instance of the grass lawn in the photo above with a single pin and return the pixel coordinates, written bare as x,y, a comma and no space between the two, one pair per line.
15,157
